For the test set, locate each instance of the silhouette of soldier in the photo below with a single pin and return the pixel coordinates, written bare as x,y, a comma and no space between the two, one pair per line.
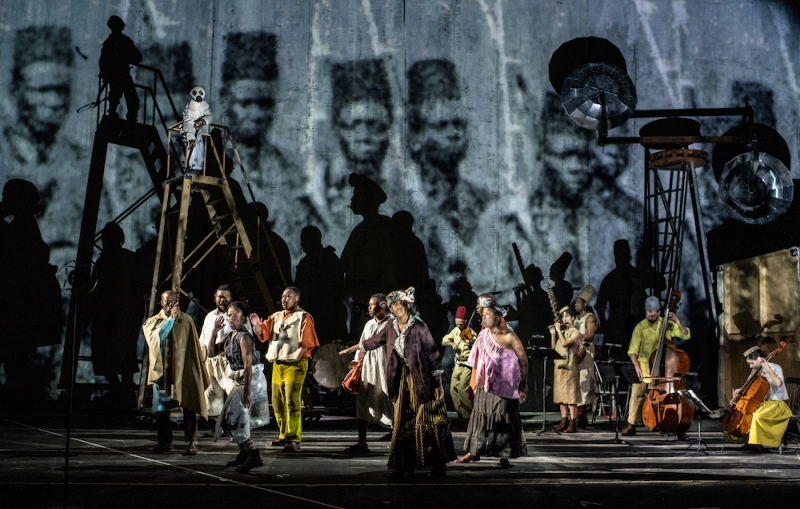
411,269
562,288
320,279
36,298
368,249
116,309
118,54
272,251
535,314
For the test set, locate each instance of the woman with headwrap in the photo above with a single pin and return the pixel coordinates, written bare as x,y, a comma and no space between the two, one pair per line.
501,373
421,435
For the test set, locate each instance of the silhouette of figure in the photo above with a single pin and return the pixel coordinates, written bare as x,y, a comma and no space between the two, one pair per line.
620,300
562,288
533,304
320,279
118,54
36,298
368,249
36,145
272,251
116,309
411,269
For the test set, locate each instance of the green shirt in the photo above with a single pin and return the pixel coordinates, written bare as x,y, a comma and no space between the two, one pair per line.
644,340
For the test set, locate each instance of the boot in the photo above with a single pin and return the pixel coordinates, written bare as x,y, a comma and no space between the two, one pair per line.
240,458
629,431
583,421
562,426
573,426
253,460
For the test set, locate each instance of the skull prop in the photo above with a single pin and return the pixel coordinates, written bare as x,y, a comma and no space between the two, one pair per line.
198,94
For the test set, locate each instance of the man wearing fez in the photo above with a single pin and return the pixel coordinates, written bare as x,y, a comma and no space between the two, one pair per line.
173,365
118,54
37,146
250,89
437,141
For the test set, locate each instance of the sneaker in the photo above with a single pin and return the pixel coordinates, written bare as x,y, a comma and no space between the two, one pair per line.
292,447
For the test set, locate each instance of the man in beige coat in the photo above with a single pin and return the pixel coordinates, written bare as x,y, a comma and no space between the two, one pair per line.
173,365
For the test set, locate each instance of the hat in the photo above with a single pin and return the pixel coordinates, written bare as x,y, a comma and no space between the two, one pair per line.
491,302
461,314
750,350
406,295
652,304
587,294
115,23
367,185
250,55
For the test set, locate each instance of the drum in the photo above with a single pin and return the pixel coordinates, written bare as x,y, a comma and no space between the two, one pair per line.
328,368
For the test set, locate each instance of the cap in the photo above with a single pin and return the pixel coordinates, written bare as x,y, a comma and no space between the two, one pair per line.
461,314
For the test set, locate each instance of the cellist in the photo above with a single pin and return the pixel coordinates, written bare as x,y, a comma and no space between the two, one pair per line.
772,416
644,342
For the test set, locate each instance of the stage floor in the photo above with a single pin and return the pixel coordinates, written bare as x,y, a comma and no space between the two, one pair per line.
111,465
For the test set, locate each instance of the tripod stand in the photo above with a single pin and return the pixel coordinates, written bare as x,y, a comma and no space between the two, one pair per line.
699,408
608,370
545,354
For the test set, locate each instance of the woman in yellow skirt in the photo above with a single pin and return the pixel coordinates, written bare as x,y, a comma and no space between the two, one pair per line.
772,416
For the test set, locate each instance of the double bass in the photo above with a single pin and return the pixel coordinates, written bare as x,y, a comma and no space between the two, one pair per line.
738,415
664,408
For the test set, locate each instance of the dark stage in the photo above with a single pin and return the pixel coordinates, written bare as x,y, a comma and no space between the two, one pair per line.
111,466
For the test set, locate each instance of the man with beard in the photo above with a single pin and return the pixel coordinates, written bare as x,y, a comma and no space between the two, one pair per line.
644,342
212,335
173,366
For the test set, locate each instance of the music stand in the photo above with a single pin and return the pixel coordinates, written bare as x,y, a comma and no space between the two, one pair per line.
545,354
700,408
608,370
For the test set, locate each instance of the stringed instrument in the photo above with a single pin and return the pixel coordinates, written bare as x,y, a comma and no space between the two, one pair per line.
664,408
738,415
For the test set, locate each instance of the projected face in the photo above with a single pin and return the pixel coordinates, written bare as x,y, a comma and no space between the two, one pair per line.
44,97
567,158
251,108
443,134
364,131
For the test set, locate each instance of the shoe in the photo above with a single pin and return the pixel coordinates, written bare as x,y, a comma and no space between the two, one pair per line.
467,458
386,438
240,458
279,442
396,474
583,421
359,448
572,427
562,425
253,460
682,437
438,471
629,431
161,449
192,449
292,447
756,448
504,463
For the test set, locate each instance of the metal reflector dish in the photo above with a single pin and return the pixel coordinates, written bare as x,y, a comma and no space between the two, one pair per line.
582,90
756,190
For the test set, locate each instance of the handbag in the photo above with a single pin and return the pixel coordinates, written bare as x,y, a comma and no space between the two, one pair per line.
353,378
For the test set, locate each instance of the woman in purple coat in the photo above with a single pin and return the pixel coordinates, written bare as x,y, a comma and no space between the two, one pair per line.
421,435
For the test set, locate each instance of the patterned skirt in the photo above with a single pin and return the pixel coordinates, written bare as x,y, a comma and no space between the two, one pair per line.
421,435
495,427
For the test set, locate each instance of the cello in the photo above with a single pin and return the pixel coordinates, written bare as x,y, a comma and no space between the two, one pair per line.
738,415
664,408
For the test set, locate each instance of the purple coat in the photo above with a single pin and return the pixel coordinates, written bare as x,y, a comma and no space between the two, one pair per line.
421,354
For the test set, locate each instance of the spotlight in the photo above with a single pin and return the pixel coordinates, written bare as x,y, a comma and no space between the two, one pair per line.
755,185
591,76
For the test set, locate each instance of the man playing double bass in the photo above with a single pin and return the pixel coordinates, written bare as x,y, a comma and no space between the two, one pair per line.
644,342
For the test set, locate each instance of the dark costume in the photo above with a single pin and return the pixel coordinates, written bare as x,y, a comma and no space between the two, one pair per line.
421,434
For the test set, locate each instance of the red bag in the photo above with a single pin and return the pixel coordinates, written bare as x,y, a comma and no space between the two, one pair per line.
353,378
